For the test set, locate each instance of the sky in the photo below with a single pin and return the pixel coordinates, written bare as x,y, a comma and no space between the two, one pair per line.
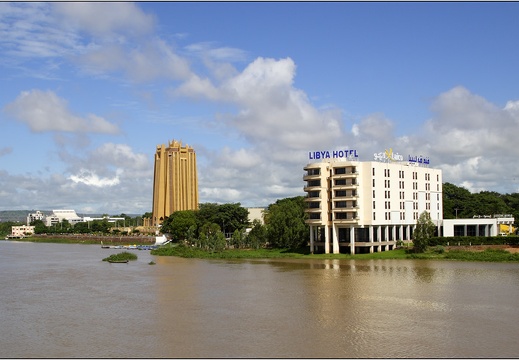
88,90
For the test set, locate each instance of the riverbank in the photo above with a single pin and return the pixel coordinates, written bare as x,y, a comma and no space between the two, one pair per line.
490,253
88,239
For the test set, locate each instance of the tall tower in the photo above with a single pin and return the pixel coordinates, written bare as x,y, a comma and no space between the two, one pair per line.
175,181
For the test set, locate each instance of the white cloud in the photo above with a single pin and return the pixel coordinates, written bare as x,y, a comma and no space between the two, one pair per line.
152,60
106,18
92,179
209,51
470,139
45,111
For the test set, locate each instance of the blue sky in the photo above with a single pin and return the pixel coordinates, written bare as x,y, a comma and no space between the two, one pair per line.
89,90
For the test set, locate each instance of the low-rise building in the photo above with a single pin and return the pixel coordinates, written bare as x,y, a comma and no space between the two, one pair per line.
484,225
21,231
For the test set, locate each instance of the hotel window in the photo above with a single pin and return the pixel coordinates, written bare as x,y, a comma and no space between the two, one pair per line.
340,204
373,215
314,183
373,205
373,194
373,171
373,182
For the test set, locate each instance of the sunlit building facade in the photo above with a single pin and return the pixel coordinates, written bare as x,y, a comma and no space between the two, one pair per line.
368,206
175,181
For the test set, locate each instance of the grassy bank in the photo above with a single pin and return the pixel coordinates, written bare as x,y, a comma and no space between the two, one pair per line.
88,240
491,255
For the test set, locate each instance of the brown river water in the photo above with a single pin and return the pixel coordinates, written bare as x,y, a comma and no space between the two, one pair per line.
62,301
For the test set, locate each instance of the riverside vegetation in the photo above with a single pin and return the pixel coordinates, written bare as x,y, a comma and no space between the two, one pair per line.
122,256
433,253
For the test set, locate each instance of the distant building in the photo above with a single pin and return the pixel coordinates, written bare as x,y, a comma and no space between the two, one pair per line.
175,181
38,215
256,213
21,231
58,216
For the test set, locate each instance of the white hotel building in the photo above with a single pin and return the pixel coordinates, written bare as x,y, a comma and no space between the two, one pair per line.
367,206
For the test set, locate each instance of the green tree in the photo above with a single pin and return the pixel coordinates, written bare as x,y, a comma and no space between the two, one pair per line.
178,224
238,239
39,226
285,220
257,237
5,227
423,231
82,228
211,237
455,201
101,226
229,217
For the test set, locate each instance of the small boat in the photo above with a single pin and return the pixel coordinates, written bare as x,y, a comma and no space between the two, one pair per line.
118,261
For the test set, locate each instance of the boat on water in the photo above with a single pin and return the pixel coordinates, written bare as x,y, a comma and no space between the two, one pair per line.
118,261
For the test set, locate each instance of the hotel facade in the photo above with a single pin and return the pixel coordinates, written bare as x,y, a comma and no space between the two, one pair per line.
175,181
368,206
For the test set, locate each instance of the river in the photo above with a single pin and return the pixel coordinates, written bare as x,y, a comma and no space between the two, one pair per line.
62,301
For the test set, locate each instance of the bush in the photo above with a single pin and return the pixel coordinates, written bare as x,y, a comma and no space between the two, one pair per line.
125,255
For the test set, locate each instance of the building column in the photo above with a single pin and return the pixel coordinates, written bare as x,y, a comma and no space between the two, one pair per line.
335,240
311,239
352,240
370,229
326,239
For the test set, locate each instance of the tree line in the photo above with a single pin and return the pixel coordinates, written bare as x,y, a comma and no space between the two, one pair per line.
458,202
214,227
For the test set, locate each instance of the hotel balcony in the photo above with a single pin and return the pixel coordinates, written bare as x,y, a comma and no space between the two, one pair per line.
307,177
345,187
313,207
345,218
312,198
309,188
313,222
345,196
345,175
346,221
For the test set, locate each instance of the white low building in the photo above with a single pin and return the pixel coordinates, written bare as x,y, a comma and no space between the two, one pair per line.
58,216
479,226
21,231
